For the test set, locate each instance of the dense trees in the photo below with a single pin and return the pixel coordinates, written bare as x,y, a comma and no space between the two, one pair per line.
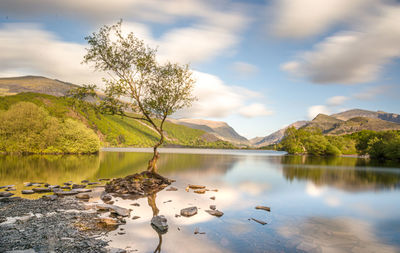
28,128
378,145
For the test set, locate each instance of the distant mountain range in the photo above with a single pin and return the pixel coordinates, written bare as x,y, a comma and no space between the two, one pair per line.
219,129
337,124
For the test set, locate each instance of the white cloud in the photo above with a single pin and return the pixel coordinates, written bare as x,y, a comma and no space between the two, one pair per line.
303,18
371,92
244,69
314,110
254,110
218,100
336,100
355,56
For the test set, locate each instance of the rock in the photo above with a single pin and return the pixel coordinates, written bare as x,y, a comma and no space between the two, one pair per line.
104,179
6,194
170,189
84,181
65,187
193,186
135,204
50,197
11,189
27,184
187,189
160,222
27,192
213,207
46,185
259,221
54,186
114,209
215,190
82,190
116,250
201,191
213,197
41,190
66,193
78,186
215,213
92,183
135,217
177,216
196,231
82,196
121,233
67,183
105,197
265,208
108,221
109,202
167,201
189,211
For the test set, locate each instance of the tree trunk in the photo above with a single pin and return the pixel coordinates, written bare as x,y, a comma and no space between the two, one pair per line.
152,166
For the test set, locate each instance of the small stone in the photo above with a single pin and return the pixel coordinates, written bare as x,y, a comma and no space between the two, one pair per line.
160,222
187,189
135,204
67,183
104,179
41,190
201,191
177,216
50,197
84,181
27,192
167,201
215,213
121,233
135,217
27,184
189,211
113,209
213,207
193,186
6,194
82,196
54,186
265,208
196,231
109,202
215,190
46,185
170,189
105,197
78,186
259,221
213,197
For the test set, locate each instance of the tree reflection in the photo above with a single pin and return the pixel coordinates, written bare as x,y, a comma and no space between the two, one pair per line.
345,173
151,200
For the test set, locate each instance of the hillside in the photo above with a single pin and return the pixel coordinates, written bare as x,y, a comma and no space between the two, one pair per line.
115,130
275,137
392,117
37,84
219,129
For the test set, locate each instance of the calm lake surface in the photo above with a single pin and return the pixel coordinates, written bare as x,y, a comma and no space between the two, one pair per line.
338,204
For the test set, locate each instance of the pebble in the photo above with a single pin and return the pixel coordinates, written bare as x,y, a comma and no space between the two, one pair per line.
135,217
189,211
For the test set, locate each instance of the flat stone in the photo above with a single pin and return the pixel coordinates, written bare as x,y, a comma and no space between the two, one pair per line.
170,189
160,222
66,193
104,179
27,184
65,187
189,211
50,197
213,207
78,186
215,213
135,204
11,189
27,192
193,186
54,186
114,209
82,196
265,208
259,221
41,190
6,194
67,183
135,217
201,191
82,190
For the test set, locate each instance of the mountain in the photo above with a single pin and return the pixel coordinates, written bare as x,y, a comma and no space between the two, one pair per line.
392,117
219,129
337,124
37,84
275,137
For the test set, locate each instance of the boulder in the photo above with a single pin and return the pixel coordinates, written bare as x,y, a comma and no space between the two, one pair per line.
189,211
160,222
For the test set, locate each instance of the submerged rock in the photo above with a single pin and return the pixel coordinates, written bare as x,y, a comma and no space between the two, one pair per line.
215,213
160,222
213,197
189,211
193,186
265,208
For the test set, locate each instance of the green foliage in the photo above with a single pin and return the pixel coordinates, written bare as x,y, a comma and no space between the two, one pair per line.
28,128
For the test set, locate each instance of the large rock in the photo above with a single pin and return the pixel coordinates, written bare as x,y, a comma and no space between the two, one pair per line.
189,211
160,222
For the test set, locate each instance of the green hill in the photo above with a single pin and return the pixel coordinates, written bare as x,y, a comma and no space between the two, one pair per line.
114,130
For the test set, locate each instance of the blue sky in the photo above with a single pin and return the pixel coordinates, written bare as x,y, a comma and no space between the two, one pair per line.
259,65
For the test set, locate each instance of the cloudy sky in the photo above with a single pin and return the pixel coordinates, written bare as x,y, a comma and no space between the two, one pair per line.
259,65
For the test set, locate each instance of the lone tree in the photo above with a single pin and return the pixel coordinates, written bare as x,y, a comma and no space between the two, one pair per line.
137,82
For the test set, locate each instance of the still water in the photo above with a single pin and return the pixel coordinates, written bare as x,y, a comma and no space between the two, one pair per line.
341,204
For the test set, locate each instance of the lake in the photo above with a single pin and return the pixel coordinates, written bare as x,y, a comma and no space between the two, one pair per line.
341,204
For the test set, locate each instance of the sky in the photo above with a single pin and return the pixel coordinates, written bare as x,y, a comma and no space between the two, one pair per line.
258,65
